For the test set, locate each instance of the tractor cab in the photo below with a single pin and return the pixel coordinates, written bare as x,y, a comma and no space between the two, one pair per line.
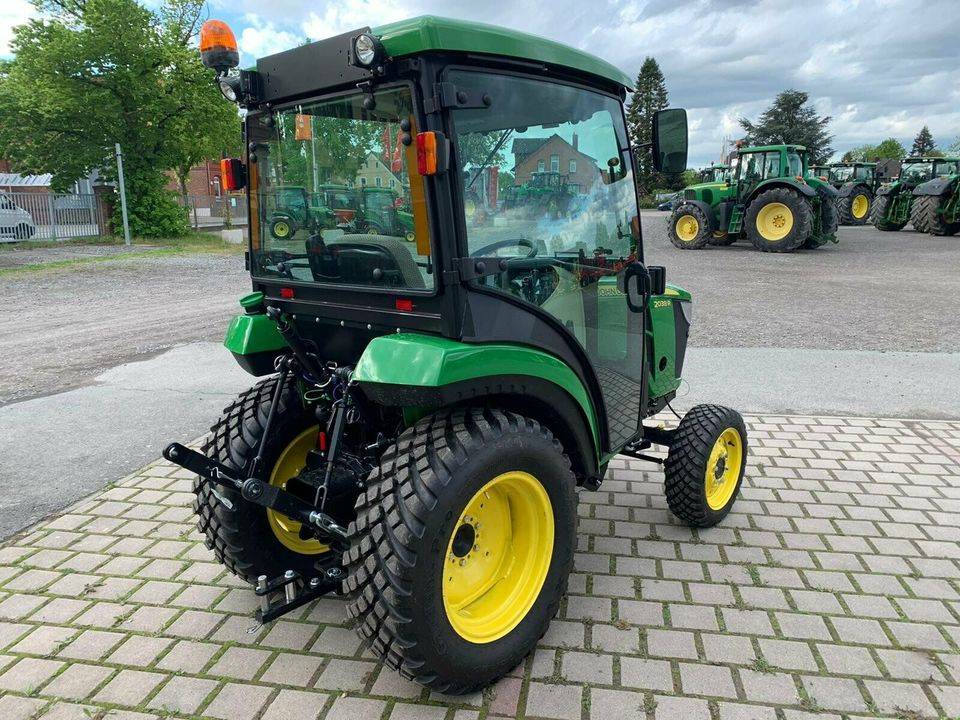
437,388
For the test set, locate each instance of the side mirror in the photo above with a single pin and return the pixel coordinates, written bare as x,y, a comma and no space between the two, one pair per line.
658,279
670,140
636,286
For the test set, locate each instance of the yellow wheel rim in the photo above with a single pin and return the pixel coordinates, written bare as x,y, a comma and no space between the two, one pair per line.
719,234
281,229
774,221
288,465
497,557
859,206
723,469
687,228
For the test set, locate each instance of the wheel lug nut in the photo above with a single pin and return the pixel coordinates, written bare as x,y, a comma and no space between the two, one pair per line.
476,547
453,557
462,563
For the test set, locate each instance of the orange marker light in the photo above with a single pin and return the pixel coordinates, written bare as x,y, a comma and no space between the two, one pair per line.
427,153
218,46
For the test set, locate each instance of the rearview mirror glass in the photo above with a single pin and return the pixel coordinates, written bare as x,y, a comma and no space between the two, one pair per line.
670,140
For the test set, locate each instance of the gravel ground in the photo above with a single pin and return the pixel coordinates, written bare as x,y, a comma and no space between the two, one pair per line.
64,326
855,295
24,254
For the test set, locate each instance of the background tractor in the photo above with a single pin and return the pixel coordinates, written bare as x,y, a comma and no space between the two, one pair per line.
429,410
898,202
856,184
293,210
769,200
714,173
546,193
936,204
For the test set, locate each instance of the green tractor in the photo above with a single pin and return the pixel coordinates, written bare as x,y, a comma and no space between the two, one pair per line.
770,200
545,193
856,184
912,196
714,174
380,213
936,207
293,210
429,412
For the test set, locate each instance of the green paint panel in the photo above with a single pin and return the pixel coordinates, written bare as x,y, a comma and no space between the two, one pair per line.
428,361
663,336
430,33
248,334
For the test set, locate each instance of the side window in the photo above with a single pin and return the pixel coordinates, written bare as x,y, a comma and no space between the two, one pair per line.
772,169
540,166
554,163
573,167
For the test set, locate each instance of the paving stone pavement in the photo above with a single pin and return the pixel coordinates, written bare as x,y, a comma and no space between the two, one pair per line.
832,589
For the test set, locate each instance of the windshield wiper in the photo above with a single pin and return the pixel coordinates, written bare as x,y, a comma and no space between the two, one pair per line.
493,152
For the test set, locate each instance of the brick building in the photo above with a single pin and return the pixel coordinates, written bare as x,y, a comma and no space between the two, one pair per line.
554,154
203,180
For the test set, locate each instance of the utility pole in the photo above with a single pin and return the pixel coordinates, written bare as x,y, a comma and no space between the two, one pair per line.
123,195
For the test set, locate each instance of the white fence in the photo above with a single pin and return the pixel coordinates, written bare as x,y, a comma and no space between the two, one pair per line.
44,215
207,211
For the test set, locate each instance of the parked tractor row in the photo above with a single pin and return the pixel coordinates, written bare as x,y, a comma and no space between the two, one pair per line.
772,198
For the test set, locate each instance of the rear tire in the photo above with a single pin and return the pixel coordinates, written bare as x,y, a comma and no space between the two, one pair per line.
855,208
779,220
921,210
240,533
404,545
705,464
282,229
829,224
881,205
935,222
722,239
689,227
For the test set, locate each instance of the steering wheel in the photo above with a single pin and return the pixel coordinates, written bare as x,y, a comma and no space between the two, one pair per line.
510,242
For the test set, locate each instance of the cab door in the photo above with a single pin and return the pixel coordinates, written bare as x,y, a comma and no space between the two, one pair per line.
559,261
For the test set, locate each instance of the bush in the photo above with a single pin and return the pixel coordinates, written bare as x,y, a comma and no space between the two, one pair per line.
152,210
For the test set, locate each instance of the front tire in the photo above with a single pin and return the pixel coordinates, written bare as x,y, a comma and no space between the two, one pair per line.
689,227
855,208
282,229
705,464
247,538
881,206
462,547
936,225
779,220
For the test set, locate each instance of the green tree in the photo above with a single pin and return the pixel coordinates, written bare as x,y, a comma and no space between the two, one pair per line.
791,120
90,73
649,95
889,149
923,143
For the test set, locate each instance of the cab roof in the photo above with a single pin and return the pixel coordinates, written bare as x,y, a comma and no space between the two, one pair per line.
430,33
770,148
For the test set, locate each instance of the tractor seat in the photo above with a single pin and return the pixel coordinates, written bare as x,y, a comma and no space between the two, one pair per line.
361,255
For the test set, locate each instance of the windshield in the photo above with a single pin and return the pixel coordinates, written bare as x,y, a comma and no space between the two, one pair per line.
841,174
309,165
917,171
795,164
546,171
947,167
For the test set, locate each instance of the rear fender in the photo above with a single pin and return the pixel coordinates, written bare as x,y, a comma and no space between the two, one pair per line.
255,343
852,188
936,187
414,371
801,188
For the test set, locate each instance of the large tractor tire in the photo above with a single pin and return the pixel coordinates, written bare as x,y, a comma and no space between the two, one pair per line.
722,239
829,225
282,228
936,225
462,547
878,214
855,208
779,220
689,227
921,211
248,539
705,464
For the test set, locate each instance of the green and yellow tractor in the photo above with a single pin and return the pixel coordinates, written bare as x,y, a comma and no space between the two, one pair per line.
429,411
856,184
293,210
936,205
916,196
769,200
546,193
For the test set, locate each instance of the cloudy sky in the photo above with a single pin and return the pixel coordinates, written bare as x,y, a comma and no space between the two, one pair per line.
881,68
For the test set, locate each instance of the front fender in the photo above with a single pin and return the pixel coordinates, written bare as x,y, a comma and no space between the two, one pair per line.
936,187
893,188
410,370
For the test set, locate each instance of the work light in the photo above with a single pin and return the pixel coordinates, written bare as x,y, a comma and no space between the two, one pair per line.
229,87
366,49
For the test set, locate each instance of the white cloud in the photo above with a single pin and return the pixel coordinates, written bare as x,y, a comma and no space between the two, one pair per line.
338,18
259,38
13,12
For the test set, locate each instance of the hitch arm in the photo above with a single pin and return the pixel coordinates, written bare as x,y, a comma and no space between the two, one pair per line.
260,493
